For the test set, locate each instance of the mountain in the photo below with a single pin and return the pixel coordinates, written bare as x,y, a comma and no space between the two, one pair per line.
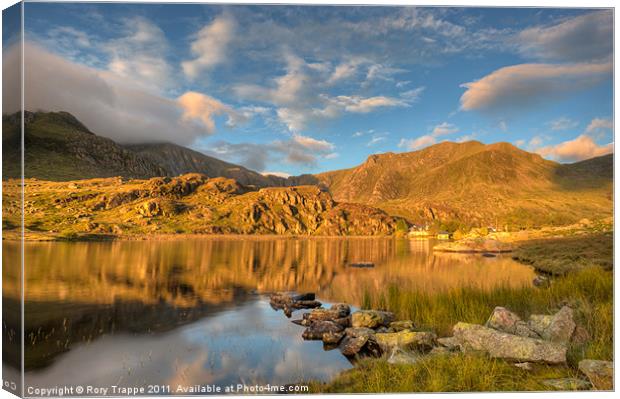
178,160
59,147
496,184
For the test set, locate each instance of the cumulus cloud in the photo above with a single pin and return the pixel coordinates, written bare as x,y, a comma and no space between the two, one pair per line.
209,46
110,105
529,84
364,105
296,150
198,106
580,39
443,129
578,149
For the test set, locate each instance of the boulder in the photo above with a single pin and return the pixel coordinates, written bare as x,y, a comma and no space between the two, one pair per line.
324,314
599,372
332,338
358,332
344,321
363,345
399,356
567,384
580,336
504,320
371,318
342,308
498,344
450,343
401,325
406,339
305,304
317,329
439,350
541,281
558,328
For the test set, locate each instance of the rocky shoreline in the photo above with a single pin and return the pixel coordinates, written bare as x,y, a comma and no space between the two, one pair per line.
541,340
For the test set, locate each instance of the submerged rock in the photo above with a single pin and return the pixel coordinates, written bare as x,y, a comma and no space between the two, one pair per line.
567,384
371,318
406,339
502,345
503,319
599,372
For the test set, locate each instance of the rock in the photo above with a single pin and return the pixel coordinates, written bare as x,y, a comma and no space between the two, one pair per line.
450,343
567,384
439,350
599,372
362,265
332,338
504,320
527,366
557,328
502,345
399,356
299,322
371,318
317,329
397,326
351,346
359,332
342,308
580,336
325,314
541,281
405,339
489,255
305,304
344,321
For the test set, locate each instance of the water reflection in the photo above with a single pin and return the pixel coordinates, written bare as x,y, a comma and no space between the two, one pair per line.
190,310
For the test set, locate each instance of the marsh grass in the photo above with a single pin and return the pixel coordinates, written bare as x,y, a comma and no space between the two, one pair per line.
458,373
586,284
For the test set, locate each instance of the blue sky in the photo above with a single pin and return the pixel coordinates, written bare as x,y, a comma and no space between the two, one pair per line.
300,89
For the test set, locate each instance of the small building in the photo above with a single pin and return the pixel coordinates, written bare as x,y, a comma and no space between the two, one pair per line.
444,235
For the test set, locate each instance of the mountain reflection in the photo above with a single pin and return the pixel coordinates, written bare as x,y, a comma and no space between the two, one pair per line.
77,292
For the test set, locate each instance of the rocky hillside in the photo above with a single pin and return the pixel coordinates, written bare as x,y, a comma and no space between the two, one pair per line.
477,183
178,160
190,203
59,147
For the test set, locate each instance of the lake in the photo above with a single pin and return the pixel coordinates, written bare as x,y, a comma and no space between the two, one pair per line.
195,310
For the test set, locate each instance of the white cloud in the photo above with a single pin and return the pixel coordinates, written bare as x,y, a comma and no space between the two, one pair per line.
580,148
358,104
210,46
312,143
139,55
418,143
109,105
198,106
563,123
586,37
443,129
598,125
529,84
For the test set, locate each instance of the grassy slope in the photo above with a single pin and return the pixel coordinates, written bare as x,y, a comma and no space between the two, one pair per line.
588,288
478,183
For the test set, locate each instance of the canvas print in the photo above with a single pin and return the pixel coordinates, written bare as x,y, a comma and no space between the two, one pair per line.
212,199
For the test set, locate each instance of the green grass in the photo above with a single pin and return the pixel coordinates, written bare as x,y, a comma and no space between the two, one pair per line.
457,373
564,255
586,285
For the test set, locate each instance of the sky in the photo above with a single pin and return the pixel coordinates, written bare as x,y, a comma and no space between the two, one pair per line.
304,89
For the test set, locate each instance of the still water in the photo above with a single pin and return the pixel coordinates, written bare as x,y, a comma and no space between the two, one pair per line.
194,311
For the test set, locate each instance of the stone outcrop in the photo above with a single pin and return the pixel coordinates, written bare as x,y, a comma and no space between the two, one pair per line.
502,345
405,339
504,320
558,327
